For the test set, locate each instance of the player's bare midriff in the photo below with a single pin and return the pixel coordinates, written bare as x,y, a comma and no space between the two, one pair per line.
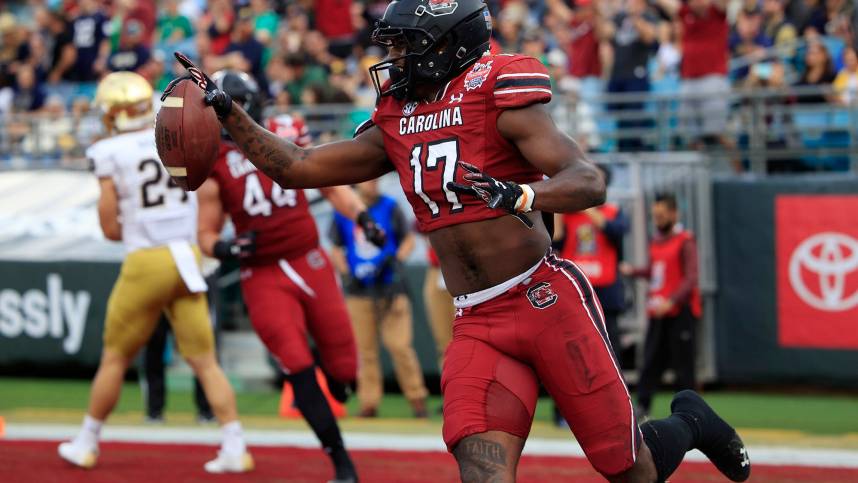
478,255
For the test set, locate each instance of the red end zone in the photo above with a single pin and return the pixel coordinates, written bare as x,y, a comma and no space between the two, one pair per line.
29,461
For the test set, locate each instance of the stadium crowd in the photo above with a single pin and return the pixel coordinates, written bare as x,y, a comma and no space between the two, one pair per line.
306,52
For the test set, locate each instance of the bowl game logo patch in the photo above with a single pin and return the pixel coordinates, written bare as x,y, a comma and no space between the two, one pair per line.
541,295
477,75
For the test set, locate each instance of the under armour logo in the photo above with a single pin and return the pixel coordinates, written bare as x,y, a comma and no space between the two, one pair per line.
454,98
746,461
459,312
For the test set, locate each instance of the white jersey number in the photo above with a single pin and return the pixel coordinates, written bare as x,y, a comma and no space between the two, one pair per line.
154,189
445,151
255,201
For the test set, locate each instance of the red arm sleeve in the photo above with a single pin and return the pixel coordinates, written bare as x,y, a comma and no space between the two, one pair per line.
522,82
689,273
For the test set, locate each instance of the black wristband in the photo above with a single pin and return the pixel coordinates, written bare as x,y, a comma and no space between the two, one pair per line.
363,218
223,250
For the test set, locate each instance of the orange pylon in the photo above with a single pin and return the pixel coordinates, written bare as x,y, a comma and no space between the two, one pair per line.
287,399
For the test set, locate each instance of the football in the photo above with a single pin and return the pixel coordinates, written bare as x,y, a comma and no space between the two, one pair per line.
187,134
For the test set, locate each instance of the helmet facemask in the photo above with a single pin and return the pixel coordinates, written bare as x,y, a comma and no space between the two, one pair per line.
427,59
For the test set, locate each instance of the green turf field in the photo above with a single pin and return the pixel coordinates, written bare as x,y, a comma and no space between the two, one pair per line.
811,414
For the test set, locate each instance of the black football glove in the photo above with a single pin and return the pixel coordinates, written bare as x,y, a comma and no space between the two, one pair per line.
240,247
374,233
509,196
220,101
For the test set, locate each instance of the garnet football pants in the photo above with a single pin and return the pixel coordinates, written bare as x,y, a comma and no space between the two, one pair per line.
549,328
289,300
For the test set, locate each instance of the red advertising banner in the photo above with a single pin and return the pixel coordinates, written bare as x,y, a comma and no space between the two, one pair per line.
817,271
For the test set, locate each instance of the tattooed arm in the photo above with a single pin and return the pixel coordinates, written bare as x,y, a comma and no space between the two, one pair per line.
338,163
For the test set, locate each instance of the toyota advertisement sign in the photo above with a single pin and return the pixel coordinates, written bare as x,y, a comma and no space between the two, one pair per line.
817,271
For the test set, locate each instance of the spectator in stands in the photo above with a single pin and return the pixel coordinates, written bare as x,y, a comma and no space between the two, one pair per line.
316,46
334,20
748,41
511,24
52,137
58,39
36,55
839,16
91,46
377,301
265,25
673,304
174,28
243,53
30,94
293,75
585,24
780,32
819,73
133,53
815,17
633,36
780,133
216,26
297,25
704,85
846,82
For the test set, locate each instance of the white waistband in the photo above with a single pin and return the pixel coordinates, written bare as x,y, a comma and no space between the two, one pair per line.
471,299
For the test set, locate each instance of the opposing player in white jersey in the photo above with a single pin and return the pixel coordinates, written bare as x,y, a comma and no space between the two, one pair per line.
157,222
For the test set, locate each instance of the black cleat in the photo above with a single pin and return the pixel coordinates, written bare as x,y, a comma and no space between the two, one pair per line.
343,466
713,436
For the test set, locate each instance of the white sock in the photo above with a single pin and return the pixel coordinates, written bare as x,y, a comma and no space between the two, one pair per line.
233,438
90,431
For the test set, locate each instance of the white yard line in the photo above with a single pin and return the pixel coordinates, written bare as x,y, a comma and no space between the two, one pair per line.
766,455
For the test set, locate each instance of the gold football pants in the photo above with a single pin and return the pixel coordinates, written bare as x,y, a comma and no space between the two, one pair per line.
149,284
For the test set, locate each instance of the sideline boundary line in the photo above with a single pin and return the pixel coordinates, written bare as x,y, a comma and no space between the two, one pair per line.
763,455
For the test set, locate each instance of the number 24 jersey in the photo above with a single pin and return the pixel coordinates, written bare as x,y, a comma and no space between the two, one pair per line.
425,140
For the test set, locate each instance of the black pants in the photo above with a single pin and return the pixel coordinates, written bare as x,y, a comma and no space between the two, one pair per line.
670,342
153,367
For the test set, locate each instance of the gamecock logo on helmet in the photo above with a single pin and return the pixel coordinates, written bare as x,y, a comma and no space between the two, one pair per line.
823,271
541,295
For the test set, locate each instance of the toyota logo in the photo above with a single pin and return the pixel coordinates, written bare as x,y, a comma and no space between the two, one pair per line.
827,259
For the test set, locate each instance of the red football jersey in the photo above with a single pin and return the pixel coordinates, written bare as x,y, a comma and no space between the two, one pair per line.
281,218
425,140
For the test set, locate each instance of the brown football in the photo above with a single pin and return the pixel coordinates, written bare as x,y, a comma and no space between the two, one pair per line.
187,134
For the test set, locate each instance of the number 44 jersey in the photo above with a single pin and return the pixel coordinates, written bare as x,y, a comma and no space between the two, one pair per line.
154,210
425,140
254,202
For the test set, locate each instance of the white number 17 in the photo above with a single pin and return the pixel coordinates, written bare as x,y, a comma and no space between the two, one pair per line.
445,151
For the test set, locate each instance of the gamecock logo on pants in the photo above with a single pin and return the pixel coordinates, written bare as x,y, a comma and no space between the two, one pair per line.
541,295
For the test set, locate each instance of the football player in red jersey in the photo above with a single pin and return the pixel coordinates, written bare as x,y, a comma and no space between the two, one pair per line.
470,139
287,281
